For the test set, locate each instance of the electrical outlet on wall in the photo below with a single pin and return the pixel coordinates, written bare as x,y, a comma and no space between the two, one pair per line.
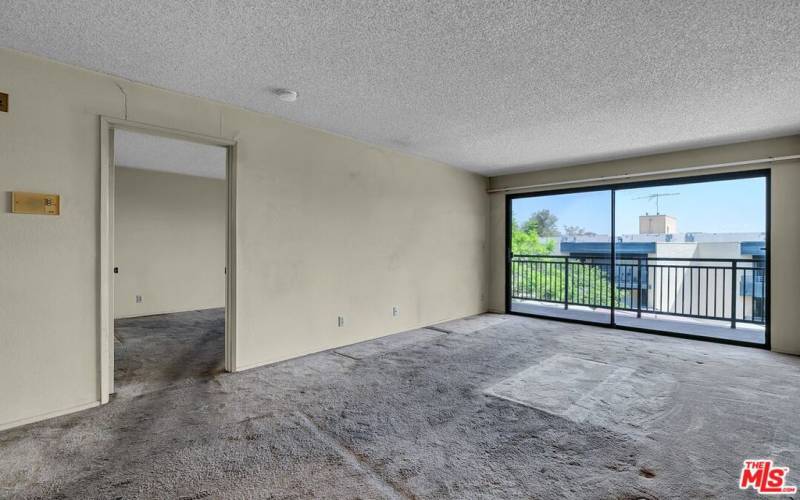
340,321
395,311
138,299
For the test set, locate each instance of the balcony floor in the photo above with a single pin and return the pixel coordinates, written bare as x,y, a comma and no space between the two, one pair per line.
686,326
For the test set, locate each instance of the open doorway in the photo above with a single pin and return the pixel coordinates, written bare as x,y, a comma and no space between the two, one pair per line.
166,257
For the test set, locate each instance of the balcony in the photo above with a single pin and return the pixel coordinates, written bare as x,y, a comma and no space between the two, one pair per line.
716,298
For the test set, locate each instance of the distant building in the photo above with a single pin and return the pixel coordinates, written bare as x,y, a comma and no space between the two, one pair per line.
658,239
657,224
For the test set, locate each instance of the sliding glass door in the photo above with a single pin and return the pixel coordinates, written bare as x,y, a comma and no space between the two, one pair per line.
560,255
690,256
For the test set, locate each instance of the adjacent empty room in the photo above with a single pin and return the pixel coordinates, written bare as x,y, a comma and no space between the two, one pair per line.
399,249
170,241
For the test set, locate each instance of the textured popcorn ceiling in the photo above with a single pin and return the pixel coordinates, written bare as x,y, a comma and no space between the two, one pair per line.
494,86
152,152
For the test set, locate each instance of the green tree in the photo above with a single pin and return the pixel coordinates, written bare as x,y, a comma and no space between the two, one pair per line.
525,240
544,277
544,222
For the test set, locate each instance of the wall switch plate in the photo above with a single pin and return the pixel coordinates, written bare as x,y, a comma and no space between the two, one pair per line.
138,299
3,102
395,311
340,321
35,203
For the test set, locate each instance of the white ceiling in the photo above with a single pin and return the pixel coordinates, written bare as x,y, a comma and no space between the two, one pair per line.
491,86
152,152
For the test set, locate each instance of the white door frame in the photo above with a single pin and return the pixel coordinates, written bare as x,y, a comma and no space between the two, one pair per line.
106,274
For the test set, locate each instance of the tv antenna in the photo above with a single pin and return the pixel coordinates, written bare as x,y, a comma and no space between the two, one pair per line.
657,197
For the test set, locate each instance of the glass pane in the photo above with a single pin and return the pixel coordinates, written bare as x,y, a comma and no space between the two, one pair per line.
560,256
691,258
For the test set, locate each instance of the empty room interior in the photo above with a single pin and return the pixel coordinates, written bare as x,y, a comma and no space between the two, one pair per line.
170,233
400,249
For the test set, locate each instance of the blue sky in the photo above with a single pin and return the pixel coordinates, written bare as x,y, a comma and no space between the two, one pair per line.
721,206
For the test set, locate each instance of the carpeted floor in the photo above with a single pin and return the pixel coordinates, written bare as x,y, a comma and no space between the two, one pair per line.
154,352
486,407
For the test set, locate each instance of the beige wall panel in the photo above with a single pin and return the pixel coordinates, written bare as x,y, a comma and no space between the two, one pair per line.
353,230
785,271
48,265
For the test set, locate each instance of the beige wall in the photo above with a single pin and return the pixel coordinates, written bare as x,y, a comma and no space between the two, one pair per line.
326,226
785,211
169,242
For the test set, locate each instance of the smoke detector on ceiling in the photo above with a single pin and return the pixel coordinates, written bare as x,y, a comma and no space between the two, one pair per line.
285,95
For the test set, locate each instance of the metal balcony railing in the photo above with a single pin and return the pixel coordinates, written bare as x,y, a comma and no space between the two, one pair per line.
733,290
